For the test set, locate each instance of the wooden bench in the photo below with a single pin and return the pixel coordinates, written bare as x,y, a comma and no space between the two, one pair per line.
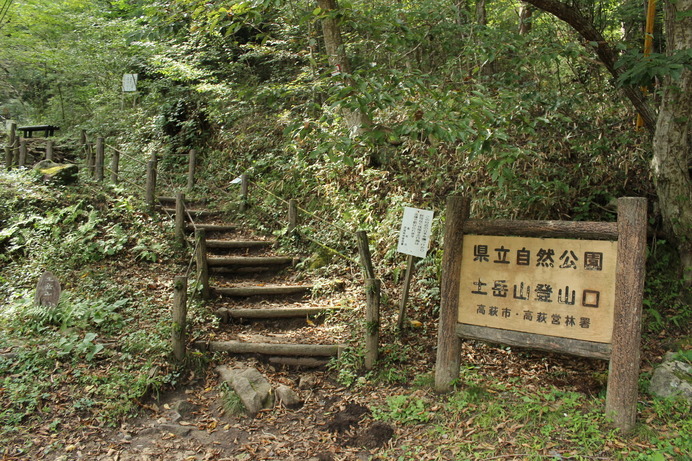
48,130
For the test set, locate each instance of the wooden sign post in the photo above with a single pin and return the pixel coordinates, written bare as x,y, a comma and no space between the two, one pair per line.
568,287
414,240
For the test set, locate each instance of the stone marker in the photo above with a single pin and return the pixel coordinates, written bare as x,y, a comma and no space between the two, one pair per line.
47,290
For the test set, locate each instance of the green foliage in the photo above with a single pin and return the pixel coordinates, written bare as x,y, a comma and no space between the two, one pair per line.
665,306
148,249
73,231
393,364
405,409
70,312
67,61
66,229
675,441
642,71
527,125
542,417
347,366
230,400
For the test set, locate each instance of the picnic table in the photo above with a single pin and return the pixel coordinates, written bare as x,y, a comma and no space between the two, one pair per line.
28,131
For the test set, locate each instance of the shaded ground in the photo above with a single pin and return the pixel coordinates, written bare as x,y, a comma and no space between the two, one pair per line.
193,424
192,421
335,423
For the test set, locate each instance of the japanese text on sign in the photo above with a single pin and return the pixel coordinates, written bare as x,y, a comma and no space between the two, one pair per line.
414,236
554,287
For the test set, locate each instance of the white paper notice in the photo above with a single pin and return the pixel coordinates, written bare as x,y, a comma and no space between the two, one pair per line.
129,83
414,237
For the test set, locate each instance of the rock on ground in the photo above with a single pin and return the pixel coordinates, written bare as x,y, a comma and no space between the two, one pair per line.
252,387
287,396
59,173
672,377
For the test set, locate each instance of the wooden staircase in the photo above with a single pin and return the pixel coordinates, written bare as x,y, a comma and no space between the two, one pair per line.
264,306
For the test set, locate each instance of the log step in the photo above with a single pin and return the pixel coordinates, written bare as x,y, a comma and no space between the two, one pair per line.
290,349
235,270
268,290
251,261
280,313
307,362
197,213
171,201
232,244
212,227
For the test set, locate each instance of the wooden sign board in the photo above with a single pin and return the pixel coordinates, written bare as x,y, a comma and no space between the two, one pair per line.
566,287
130,83
554,287
414,235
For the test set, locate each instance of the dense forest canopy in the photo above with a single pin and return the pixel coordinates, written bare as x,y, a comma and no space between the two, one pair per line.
499,98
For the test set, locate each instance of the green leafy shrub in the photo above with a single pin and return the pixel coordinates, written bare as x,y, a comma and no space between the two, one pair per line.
405,409
348,365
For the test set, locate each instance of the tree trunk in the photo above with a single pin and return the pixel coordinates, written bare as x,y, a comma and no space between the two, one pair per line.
461,12
487,68
481,14
356,120
605,52
525,20
672,145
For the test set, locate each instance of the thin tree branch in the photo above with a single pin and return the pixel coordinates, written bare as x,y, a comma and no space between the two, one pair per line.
605,52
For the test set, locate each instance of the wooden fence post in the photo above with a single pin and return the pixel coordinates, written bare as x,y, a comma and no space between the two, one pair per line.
243,192
150,196
22,153
364,251
179,317
292,215
13,134
372,306
8,157
180,218
623,375
410,262
49,150
15,153
372,322
115,165
201,260
89,148
98,163
192,164
448,343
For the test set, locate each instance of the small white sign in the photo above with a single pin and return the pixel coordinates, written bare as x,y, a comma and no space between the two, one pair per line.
414,236
129,83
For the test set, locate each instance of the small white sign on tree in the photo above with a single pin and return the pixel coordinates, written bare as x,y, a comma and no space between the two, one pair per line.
414,236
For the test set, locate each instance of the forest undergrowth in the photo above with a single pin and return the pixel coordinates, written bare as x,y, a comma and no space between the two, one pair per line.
102,354
528,124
